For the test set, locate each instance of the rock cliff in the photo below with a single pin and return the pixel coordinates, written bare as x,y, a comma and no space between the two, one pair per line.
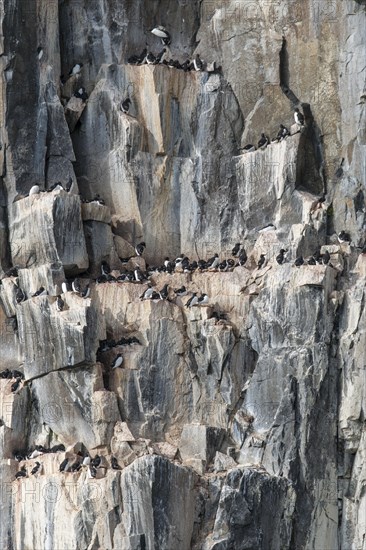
237,424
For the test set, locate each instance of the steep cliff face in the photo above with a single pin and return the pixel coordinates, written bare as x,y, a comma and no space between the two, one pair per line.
235,425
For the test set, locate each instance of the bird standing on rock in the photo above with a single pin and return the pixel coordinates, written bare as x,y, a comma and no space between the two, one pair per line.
117,362
261,261
139,249
236,249
125,105
299,261
280,258
114,464
242,257
263,142
193,300
299,117
22,473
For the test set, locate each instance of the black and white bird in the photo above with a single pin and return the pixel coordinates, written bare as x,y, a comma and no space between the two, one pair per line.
114,463
117,361
125,105
75,466
236,249
40,52
34,190
22,473
139,249
150,59
147,294
68,185
86,292
64,287
326,257
164,293
344,237
92,472
15,385
299,117
159,58
283,132
242,257
139,277
105,268
182,291
76,286
57,186
198,63
299,261
213,262
162,33
81,93
40,292
280,258
137,59
249,148
86,460
76,69
311,261
19,295
202,300
261,261
263,142
63,465
36,469
193,300
96,461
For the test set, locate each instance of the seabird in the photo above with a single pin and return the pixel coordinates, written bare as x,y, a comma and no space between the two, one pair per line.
76,287
139,276
162,33
198,63
311,261
19,456
160,56
22,473
63,465
263,142
64,288
117,362
34,190
114,464
19,295
16,385
57,448
164,292
41,292
344,237
76,69
155,296
299,261
81,94
55,187
326,257
150,59
17,374
261,261
105,268
86,460
36,468
247,148
280,258
299,117
283,132
40,52
36,452
213,262
86,292
140,248
187,66
12,272
92,471
98,199
147,294
193,300
68,185
242,257
236,249
125,105
96,461
202,300
76,466
182,291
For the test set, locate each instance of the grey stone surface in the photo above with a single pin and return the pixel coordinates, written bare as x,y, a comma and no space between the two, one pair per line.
281,378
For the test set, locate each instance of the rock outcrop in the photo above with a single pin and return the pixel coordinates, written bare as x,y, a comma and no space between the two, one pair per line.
234,424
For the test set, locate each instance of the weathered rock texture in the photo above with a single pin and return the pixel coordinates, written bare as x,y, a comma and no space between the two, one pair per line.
240,433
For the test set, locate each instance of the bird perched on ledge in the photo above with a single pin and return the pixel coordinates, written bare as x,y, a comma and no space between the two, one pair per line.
299,117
